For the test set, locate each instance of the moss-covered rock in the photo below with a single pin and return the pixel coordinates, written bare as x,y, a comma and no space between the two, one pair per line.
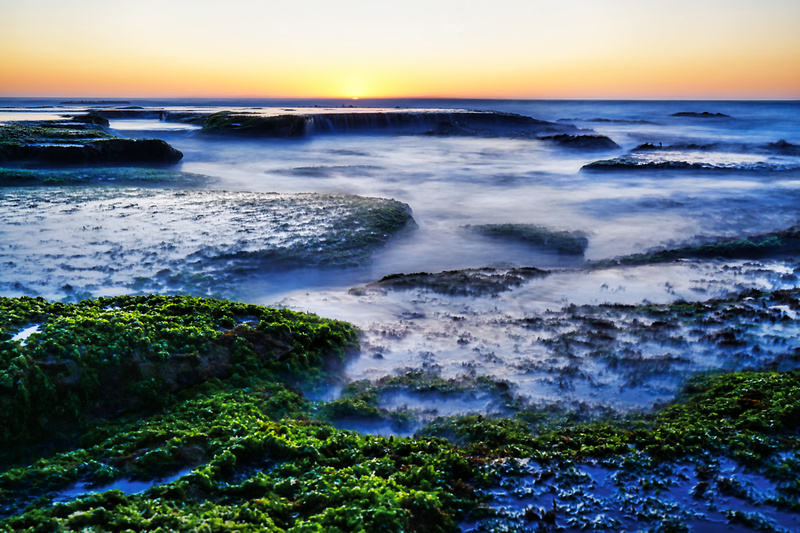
64,143
99,358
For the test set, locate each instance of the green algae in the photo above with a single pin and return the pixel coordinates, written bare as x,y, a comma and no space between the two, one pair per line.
562,242
100,358
255,467
253,454
121,176
254,474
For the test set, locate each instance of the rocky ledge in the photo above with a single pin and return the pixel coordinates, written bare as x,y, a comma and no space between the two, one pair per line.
62,143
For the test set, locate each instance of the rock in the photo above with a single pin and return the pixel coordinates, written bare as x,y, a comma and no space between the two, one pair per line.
92,117
583,142
404,122
560,241
106,151
704,114
468,282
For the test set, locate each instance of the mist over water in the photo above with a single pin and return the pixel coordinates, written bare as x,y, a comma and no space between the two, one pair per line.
451,182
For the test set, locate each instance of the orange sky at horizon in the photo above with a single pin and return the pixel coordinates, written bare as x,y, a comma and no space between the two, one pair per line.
514,49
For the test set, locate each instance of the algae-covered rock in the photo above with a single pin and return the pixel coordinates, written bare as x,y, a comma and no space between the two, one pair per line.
560,241
63,143
197,241
102,357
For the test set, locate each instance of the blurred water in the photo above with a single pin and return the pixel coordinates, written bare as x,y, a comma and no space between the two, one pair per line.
450,182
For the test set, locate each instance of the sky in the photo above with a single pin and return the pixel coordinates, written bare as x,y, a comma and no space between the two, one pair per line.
718,49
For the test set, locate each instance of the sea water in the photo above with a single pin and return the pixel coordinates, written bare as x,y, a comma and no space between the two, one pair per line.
751,186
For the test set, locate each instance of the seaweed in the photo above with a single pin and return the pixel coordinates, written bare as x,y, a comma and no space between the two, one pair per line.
100,358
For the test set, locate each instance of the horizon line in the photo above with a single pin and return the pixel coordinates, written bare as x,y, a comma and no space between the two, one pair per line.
363,98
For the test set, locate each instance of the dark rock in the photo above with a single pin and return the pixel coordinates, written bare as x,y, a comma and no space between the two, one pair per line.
468,282
105,151
403,122
704,114
92,117
783,148
583,142
560,241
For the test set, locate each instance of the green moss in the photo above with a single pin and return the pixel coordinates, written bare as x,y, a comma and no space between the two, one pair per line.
101,357
749,416
255,455
251,473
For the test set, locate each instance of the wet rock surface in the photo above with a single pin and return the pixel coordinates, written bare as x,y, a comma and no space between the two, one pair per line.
202,241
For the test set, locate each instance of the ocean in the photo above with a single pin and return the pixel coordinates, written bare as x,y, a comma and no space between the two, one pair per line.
687,173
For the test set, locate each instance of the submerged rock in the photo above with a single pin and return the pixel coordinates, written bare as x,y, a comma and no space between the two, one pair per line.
560,241
636,163
92,117
467,282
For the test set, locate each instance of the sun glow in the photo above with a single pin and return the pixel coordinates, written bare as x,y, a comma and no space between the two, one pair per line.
355,48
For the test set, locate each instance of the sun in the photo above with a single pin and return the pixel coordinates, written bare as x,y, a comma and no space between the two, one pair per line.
354,98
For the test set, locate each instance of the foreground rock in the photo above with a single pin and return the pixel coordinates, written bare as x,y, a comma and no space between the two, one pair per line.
100,358
242,450
61,143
